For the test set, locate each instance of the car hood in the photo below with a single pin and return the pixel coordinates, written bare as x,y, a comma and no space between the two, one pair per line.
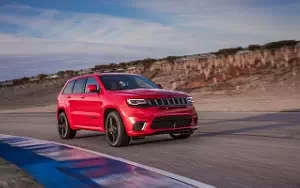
149,93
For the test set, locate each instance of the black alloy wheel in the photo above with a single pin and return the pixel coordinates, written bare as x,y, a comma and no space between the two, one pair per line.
64,129
178,136
116,134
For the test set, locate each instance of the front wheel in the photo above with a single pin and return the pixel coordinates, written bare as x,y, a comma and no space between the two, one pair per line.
178,136
116,134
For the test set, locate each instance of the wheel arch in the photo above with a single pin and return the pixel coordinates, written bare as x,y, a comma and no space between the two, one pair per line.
63,109
108,110
60,110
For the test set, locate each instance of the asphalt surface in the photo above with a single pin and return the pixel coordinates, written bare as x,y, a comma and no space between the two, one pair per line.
13,177
229,150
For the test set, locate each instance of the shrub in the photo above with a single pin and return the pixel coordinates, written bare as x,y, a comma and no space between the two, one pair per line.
148,62
41,76
61,73
113,66
228,51
16,81
253,47
171,59
123,65
25,79
279,44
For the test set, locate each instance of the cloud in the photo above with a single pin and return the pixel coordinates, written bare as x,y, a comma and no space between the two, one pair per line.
260,21
66,39
105,29
11,45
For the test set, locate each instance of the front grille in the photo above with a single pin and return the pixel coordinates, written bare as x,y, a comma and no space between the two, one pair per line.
168,102
171,122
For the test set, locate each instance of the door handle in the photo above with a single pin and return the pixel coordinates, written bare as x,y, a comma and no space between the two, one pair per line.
82,97
68,97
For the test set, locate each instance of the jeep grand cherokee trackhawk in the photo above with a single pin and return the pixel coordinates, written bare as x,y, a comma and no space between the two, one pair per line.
124,107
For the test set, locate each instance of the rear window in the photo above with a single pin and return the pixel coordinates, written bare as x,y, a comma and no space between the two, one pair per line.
68,89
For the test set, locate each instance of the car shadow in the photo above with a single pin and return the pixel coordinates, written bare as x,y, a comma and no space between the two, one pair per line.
147,142
283,119
89,135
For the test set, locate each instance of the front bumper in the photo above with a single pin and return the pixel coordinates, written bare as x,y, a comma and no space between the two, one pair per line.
151,121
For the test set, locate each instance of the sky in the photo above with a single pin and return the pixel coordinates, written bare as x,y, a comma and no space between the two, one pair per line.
42,36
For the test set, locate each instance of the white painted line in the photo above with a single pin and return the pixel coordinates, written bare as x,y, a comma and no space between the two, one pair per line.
165,173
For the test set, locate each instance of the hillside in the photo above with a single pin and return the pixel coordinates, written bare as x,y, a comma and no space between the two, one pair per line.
257,79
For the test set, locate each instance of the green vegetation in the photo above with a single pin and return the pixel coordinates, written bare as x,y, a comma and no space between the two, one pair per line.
171,59
61,73
41,76
228,51
280,44
253,47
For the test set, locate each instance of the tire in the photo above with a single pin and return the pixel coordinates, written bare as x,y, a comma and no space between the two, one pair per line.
179,136
116,135
63,127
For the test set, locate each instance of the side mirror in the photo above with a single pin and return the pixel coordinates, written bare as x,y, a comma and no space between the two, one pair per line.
159,86
91,88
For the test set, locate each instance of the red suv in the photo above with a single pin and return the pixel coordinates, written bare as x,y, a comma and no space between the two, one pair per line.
124,107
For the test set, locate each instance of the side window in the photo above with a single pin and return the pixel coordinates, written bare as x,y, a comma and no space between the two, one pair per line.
69,87
91,81
79,86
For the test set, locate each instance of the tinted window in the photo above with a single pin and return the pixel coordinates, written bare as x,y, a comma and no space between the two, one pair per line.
122,82
69,87
79,86
91,81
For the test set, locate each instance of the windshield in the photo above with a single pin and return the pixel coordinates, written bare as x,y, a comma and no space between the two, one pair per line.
124,82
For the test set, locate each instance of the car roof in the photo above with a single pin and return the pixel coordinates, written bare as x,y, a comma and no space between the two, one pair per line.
100,74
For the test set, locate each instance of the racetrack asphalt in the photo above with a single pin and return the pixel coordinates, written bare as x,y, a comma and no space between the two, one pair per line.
229,150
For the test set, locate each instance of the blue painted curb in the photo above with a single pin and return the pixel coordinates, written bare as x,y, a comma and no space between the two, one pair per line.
58,165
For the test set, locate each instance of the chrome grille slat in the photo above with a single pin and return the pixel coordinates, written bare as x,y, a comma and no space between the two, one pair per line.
156,102
173,100
162,102
178,101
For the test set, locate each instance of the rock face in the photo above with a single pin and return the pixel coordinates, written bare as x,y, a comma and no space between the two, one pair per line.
189,73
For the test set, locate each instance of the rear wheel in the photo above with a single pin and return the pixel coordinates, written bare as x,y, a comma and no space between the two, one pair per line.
64,129
116,134
180,135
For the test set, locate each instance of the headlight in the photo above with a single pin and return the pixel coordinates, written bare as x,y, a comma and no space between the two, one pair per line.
136,102
190,100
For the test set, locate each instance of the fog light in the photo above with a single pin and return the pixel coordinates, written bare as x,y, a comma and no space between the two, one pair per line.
138,126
